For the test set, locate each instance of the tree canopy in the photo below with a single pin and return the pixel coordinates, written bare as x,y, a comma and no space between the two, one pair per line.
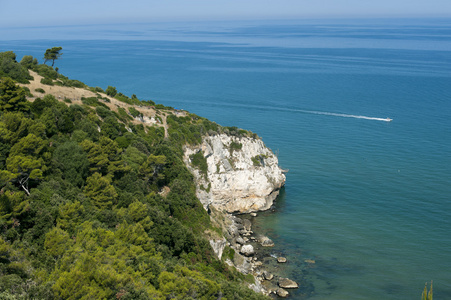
82,213
52,54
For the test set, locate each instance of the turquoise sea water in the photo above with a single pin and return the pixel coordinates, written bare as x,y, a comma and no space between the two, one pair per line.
368,200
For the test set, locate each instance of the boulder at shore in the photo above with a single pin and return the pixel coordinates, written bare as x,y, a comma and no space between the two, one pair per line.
247,250
287,283
281,259
266,241
282,293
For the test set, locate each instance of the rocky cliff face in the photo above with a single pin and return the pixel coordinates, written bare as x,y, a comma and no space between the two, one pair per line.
235,174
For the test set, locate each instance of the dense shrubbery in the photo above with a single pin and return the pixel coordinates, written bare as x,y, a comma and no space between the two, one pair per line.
80,211
11,68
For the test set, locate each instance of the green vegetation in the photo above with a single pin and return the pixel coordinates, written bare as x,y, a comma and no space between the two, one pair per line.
81,215
427,295
134,112
52,54
199,161
47,81
234,146
259,160
11,68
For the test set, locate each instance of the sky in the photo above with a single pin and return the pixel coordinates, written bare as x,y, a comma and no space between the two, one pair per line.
20,13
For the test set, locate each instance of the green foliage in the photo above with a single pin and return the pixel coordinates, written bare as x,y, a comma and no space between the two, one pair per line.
234,146
185,284
123,115
46,71
9,67
199,161
104,112
82,213
100,190
111,91
47,81
29,62
52,54
12,97
134,112
40,90
93,101
258,160
72,162
427,295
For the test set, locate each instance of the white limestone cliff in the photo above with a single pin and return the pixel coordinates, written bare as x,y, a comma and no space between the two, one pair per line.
243,174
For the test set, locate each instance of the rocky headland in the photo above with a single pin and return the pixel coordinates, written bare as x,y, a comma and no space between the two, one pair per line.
238,175
242,175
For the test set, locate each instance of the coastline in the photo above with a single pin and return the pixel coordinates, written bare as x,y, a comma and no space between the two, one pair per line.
261,261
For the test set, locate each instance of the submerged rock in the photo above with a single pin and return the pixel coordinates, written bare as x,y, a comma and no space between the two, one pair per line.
282,293
267,275
266,241
287,283
247,225
281,259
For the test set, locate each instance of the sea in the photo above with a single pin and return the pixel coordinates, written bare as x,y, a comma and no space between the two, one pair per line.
366,209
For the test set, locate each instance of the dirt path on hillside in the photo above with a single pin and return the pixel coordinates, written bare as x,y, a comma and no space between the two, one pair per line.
75,95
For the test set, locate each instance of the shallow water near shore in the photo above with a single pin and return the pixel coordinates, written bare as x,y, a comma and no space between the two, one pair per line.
368,200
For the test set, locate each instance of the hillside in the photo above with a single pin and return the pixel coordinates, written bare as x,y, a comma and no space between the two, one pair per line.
96,201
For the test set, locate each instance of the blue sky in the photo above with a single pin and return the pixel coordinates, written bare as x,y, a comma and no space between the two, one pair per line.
50,12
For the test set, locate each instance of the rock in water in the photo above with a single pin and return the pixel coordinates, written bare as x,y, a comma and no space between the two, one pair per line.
266,241
247,250
281,259
267,275
247,225
282,293
287,283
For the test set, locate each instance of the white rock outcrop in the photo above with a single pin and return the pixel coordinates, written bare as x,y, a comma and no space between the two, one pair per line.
243,174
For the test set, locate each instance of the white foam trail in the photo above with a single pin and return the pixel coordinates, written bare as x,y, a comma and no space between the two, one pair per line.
343,115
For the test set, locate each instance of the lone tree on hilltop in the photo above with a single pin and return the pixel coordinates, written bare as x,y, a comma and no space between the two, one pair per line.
52,54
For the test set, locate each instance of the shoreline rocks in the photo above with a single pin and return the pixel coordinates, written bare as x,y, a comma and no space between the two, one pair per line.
266,241
281,260
282,293
247,250
286,283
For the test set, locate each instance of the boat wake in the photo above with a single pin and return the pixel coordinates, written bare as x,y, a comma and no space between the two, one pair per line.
344,115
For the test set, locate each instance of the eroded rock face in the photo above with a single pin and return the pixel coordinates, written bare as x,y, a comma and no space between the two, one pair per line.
243,175
218,246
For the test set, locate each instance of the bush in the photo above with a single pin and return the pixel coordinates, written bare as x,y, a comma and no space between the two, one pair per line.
104,112
29,62
234,146
9,67
47,81
46,71
199,161
134,112
39,90
111,91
